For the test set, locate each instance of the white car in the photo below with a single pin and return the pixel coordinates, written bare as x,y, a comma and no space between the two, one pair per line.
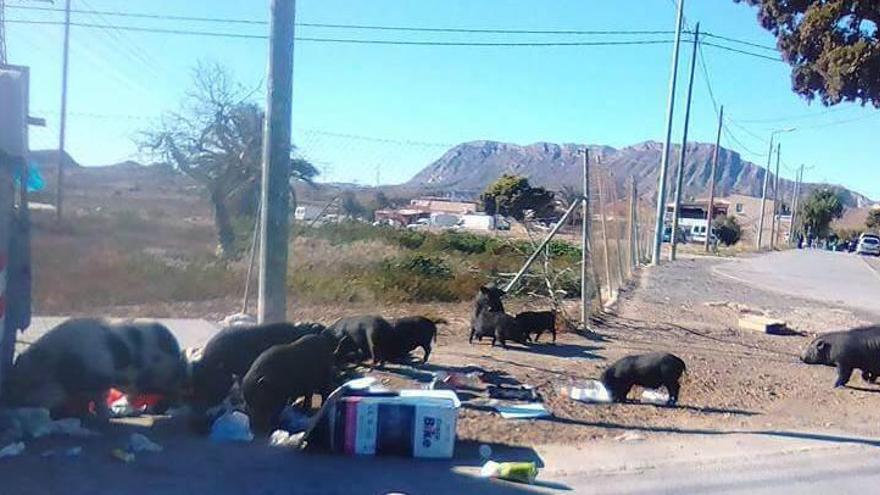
869,244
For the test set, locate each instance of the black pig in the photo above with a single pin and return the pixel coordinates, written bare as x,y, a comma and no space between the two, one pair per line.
646,370
858,348
537,322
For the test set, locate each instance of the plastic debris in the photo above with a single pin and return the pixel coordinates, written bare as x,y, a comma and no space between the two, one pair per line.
12,450
523,411
140,443
232,426
590,391
520,472
453,380
122,455
653,396
523,392
239,320
281,438
72,427
485,452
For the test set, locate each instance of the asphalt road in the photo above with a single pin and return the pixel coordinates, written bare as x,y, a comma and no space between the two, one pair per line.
837,278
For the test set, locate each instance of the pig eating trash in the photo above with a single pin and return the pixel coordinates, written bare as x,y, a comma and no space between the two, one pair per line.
411,332
858,348
490,320
231,353
646,370
80,360
363,337
286,372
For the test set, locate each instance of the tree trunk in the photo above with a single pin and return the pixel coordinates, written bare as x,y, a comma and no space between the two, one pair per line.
225,232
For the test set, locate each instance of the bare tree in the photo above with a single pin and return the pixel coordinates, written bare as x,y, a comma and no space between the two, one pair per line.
216,138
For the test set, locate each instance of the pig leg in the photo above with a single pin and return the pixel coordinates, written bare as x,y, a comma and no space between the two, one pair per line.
427,349
553,330
673,388
471,338
844,372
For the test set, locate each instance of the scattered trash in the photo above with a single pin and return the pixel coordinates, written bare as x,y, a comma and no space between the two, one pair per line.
522,392
239,320
35,421
71,452
520,472
456,379
121,407
72,427
653,396
629,436
12,450
485,452
523,411
294,420
281,438
232,426
590,391
140,443
122,455
412,423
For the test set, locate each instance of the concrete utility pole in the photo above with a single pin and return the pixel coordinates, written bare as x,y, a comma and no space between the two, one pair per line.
713,179
585,236
275,201
632,230
62,129
773,231
679,175
760,236
601,198
794,208
664,161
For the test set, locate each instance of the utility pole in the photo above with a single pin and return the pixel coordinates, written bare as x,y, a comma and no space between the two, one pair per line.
275,204
664,161
679,175
713,179
2,33
773,231
59,181
760,236
585,235
794,210
632,231
601,197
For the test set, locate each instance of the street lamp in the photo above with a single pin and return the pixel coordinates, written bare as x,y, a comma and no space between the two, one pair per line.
766,182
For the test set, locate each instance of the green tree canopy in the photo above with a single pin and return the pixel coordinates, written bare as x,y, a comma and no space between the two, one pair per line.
512,195
833,46
820,208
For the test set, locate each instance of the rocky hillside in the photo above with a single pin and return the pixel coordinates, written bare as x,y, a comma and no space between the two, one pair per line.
468,168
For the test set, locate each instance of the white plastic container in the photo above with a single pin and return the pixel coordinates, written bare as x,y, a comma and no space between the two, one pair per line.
590,391
654,396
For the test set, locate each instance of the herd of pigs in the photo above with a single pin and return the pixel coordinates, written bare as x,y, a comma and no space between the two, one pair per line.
74,365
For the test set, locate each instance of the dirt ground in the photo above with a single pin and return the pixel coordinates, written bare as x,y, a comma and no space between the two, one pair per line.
736,380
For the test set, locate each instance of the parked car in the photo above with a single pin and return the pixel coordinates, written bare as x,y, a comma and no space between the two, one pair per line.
869,245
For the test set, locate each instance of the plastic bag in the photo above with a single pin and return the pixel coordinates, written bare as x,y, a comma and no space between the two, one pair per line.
590,391
232,426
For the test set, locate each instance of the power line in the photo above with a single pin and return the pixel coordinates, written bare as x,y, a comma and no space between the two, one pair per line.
742,42
742,52
792,117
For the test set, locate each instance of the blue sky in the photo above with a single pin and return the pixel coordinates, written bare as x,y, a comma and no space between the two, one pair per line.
363,109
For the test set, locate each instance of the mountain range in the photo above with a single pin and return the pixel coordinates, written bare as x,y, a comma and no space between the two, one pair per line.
468,168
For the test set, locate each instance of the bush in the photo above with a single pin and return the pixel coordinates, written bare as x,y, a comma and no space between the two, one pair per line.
410,239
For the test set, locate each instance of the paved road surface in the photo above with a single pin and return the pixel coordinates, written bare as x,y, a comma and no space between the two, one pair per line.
838,278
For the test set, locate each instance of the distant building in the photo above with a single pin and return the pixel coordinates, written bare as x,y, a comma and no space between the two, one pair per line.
747,211
442,205
401,217
692,218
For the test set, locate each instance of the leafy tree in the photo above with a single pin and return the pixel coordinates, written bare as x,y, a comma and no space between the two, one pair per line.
873,220
216,138
833,46
817,212
351,206
727,229
512,195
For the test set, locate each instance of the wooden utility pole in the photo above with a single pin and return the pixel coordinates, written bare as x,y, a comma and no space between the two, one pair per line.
618,236
632,230
773,229
585,236
601,197
664,159
795,205
679,174
275,199
62,129
713,178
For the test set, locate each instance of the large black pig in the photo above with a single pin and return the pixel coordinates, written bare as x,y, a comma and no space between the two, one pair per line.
856,349
646,370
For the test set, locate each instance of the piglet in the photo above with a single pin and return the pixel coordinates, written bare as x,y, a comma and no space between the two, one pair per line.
646,370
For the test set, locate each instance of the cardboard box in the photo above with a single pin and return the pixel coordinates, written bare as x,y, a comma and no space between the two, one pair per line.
413,424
